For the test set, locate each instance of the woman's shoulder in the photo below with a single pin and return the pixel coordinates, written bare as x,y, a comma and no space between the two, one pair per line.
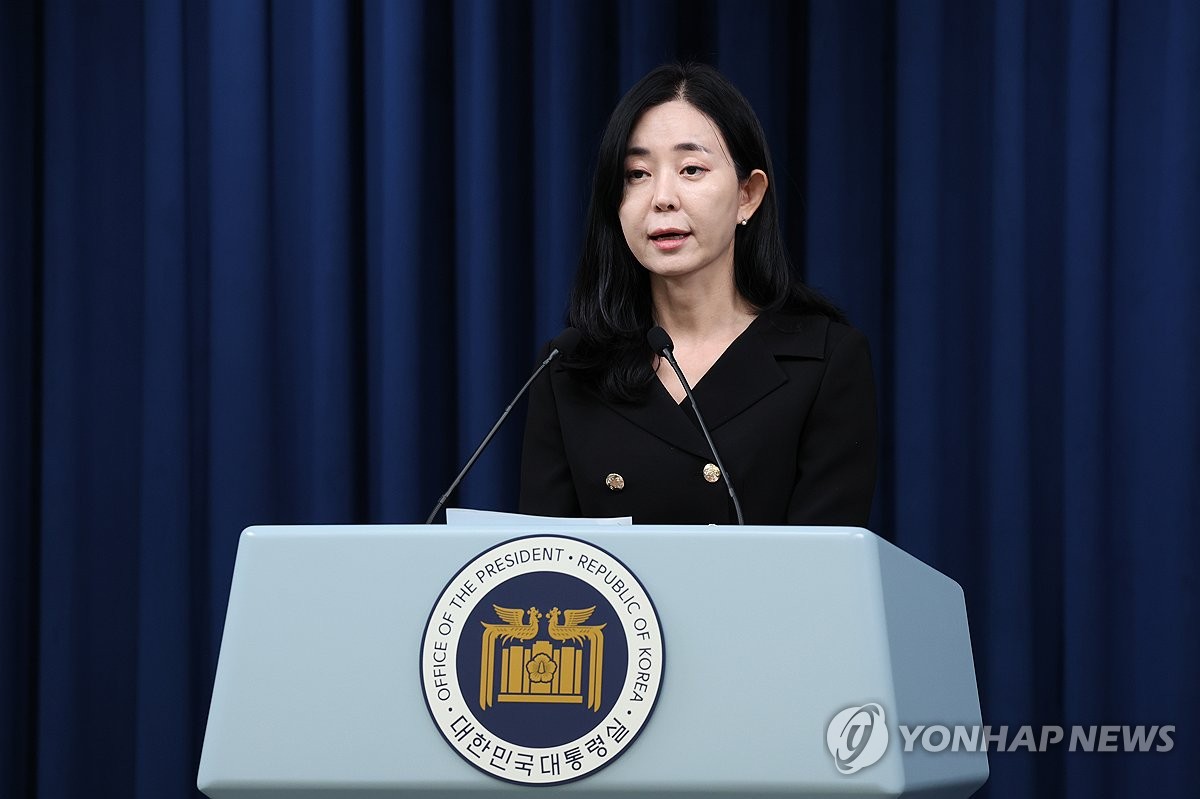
805,333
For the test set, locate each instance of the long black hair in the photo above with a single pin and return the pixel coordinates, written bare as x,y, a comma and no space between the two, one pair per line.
610,303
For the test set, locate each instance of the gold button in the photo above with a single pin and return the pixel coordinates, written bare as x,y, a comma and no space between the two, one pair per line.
711,473
615,482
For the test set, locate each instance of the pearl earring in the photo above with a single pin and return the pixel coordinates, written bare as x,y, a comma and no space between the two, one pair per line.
744,221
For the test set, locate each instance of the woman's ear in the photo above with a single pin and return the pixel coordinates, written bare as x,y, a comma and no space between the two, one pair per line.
751,194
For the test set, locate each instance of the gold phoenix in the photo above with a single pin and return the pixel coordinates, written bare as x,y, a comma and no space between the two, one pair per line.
541,672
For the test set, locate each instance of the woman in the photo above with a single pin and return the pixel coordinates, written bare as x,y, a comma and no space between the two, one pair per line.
683,232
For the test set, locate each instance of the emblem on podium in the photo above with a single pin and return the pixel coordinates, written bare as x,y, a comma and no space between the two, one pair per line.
542,660
532,670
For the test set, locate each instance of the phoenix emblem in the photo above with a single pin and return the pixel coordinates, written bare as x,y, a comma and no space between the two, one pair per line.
532,670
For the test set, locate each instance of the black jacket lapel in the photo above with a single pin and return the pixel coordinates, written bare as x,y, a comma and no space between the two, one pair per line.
749,369
743,375
658,414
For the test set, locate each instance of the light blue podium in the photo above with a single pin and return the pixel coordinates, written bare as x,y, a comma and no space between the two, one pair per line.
769,633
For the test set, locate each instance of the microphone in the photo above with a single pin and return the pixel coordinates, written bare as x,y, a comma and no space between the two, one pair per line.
661,343
563,344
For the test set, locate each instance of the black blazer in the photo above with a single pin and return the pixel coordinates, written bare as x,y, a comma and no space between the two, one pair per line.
791,406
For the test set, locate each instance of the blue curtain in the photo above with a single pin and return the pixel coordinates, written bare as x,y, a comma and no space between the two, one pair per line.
286,261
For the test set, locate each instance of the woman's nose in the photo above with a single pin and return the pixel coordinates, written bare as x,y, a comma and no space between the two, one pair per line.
666,198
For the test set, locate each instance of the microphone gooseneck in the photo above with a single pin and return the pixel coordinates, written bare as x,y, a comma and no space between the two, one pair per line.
563,344
660,341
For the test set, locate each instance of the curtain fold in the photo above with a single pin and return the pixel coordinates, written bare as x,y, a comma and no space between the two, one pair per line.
20,411
408,169
267,262
170,662
491,226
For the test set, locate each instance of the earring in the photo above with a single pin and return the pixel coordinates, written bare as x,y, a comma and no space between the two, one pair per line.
744,221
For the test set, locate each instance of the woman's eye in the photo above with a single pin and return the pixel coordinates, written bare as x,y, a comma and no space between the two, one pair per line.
635,174
692,170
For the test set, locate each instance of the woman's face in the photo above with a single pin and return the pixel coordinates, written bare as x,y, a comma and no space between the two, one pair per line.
682,200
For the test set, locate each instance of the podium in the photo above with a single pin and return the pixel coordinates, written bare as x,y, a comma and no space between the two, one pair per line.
780,648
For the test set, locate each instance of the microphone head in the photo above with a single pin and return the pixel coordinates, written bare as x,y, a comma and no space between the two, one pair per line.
566,341
659,340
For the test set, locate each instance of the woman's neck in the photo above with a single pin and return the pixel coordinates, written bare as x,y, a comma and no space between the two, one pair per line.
694,309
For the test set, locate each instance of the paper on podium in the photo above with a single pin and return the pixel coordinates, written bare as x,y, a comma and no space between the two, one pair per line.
495,518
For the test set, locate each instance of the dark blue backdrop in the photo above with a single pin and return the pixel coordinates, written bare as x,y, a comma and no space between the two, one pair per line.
286,261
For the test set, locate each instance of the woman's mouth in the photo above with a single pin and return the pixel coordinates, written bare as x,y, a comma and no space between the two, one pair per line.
669,239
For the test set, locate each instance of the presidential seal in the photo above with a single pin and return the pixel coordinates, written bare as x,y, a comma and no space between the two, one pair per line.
542,660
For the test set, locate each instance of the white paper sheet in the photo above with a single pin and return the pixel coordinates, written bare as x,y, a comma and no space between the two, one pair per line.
497,518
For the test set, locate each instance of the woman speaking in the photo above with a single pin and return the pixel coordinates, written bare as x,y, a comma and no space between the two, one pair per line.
683,234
